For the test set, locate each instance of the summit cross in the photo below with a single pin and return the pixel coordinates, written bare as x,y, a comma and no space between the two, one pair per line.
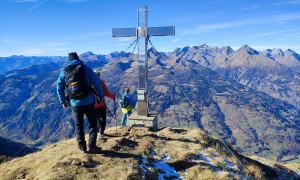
143,32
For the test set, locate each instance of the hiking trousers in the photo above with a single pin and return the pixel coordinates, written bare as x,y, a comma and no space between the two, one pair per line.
101,119
124,121
78,113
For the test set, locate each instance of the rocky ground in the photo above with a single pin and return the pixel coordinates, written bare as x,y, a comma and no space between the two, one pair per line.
137,153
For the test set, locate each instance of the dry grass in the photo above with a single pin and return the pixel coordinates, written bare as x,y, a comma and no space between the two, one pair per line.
63,161
122,154
293,166
255,172
4,159
199,173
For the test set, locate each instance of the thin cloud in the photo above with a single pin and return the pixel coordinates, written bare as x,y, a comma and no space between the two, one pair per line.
13,41
228,25
121,44
93,43
32,52
293,2
226,42
57,49
125,39
98,34
271,33
75,1
176,40
39,51
86,36
294,35
256,35
285,17
24,1
51,44
222,25
37,5
212,27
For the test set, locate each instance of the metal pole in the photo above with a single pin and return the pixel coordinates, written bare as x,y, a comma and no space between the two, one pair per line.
142,59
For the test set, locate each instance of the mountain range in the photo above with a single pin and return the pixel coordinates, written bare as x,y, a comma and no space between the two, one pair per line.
17,62
247,98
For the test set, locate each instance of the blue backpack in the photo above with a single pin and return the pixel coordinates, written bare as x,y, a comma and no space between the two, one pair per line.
124,102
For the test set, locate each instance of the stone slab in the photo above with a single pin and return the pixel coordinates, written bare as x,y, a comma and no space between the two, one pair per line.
149,121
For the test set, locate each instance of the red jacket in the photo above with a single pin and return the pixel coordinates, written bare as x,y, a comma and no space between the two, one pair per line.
106,93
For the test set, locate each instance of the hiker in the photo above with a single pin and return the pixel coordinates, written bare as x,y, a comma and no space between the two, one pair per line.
77,79
127,105
101,106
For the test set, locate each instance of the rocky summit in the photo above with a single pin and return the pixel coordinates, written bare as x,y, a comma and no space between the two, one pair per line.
137,153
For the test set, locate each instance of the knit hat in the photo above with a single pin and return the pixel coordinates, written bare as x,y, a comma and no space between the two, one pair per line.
73,56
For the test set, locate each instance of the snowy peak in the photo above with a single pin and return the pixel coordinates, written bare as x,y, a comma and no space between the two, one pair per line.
288,58
176,50
248,50
292,54
89,56
226,50
277,52
202,47
86,54
152,52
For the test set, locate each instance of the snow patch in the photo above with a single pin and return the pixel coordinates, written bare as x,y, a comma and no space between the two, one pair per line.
161,166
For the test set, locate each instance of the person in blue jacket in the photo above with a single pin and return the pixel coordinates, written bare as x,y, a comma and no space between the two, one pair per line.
127,106
82,102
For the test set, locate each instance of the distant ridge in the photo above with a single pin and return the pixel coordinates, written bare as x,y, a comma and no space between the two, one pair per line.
10,149
288,58
16,62
261,71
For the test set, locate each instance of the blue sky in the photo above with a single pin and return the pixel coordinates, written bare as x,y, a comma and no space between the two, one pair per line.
56,27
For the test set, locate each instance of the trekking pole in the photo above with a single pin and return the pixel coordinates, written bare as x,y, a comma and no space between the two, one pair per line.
110,112
112,116
115,111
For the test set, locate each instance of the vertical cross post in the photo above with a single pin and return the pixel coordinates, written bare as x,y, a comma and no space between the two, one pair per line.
143,59
143,32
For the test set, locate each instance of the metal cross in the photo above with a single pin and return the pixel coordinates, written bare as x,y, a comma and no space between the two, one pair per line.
143,32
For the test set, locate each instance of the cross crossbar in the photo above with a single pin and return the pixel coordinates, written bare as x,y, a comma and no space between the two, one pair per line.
161,31
151,31
124,32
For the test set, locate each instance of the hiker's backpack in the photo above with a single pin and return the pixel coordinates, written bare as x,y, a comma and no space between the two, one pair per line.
124,102
77,87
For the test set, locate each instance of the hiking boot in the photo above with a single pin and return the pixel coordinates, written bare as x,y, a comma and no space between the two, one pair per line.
94,149
82,149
